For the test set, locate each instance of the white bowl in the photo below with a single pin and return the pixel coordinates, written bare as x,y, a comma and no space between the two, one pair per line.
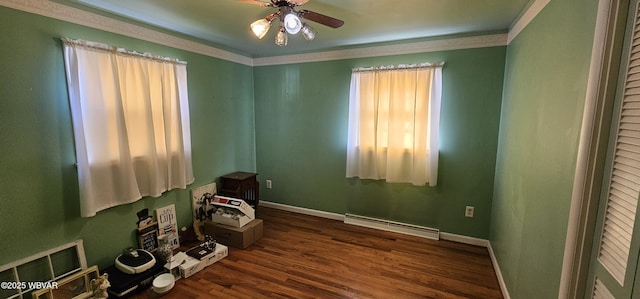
163,283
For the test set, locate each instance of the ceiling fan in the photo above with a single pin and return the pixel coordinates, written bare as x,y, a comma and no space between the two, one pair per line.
291,20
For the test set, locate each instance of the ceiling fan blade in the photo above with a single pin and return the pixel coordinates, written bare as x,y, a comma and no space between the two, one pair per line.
320,18
257,2
298,2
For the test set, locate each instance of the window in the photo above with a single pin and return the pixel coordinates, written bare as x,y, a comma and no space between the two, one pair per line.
56,264
130,116
394,115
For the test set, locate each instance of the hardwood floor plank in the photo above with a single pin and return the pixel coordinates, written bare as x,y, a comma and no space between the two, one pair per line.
303,256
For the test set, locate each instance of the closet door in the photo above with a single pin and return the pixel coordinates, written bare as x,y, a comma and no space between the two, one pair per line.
614,263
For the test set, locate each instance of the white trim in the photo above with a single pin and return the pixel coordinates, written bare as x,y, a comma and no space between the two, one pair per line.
305,211
526,18
393,226
376,51
464,239
481,243
496,268
583,205
82,259
53,273
77,16
340,217
443,236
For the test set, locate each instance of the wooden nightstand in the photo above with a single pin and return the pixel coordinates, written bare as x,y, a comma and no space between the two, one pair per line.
242,185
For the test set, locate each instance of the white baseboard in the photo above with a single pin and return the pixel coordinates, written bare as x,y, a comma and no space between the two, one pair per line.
393,226
496,268
464,239
305,211
341,217
443,235
482,243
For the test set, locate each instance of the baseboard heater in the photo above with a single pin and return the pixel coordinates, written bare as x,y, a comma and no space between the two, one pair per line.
397,227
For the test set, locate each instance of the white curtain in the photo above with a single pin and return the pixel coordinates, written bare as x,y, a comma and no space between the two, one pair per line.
130,116
394,116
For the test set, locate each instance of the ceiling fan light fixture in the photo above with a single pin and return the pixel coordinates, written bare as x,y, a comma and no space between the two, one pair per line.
281,37
308,32
260,28
291,20
292,23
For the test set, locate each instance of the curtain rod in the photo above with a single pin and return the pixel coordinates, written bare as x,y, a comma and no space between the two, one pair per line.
398,67
117,50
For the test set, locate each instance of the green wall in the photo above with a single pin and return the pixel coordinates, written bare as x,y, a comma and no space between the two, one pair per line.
545,86
296,137
301,135
38,182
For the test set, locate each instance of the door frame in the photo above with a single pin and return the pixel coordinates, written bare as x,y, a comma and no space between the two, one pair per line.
594,137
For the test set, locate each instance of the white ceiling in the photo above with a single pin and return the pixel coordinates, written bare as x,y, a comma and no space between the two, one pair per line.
225,23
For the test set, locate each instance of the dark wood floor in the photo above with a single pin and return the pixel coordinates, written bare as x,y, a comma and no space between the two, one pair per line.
302,256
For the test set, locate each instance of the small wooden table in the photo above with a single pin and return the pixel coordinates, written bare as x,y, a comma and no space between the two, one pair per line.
243,185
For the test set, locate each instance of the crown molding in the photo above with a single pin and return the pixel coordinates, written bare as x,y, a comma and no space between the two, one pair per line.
399,49
77,16
534,9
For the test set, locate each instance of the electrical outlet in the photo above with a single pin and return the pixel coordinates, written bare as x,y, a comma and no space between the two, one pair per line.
269,184
468,212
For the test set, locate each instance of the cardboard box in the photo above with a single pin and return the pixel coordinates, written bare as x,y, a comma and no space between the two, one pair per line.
174,265
237,212
191,266
221,252
238,237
